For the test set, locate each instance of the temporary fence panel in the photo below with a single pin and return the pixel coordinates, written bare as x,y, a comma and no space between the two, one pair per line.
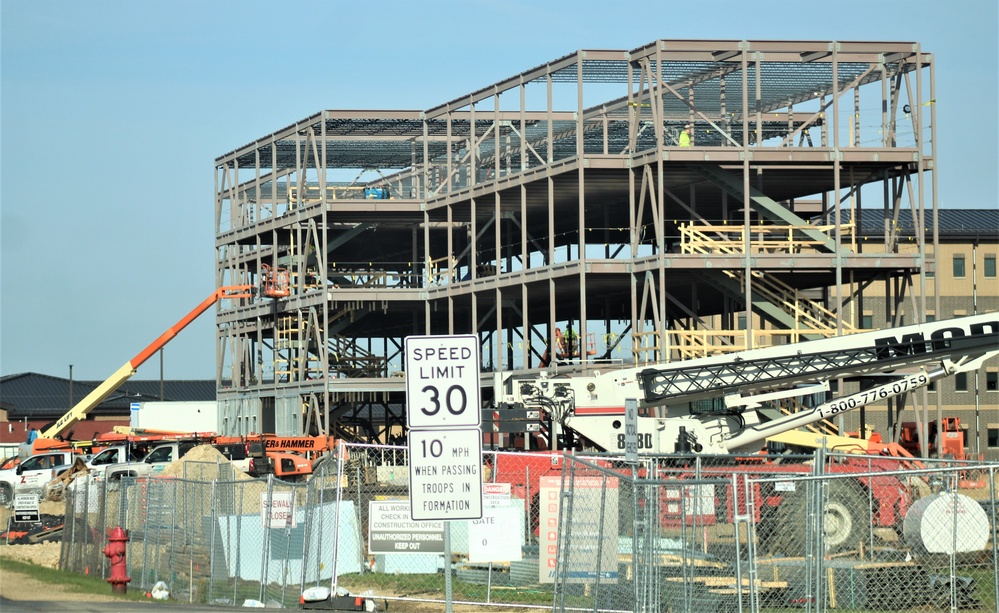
569,532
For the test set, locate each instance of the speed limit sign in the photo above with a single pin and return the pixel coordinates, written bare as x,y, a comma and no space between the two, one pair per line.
442,382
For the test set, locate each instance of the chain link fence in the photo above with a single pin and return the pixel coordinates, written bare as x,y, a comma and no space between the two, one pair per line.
842,533
587,533
213,535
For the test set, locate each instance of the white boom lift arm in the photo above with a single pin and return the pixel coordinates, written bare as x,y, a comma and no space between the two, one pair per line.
593,406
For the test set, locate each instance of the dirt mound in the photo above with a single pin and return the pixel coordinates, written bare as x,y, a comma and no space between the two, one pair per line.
203,455
42,554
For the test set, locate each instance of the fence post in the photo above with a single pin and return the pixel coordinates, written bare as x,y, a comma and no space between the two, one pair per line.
213,518
265,550
816,515
287,545
562,540
639,602
341,451
361,541
992,536
600,542
955,504
239,531
738,517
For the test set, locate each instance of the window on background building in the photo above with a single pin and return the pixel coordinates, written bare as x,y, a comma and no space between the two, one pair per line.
958,265
990,265
967,436
992,381
741,323
961,381
993,435
932,387
867,322
930,318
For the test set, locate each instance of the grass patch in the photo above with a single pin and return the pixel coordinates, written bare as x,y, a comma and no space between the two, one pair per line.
83,584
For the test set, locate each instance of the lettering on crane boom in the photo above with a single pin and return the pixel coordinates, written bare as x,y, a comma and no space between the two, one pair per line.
290,443
915,343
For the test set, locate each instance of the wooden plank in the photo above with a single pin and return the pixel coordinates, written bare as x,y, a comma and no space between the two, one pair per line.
831,581
729,581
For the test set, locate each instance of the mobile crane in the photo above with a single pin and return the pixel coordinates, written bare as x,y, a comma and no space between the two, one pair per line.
714,405
47,438
717,406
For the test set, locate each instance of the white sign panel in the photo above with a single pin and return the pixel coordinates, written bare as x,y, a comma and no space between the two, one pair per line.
442,382
499,535
390,530
26,507
594,544
495,494
631,431
279,511
445,474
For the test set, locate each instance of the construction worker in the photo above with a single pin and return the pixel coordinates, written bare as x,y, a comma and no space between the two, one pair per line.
570,341
687,136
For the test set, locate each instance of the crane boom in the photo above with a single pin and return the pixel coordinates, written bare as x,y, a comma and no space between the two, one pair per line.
591,407
851,355
902,385
125,372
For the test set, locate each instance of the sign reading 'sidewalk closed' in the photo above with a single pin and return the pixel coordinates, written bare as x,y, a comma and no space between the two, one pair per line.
390,530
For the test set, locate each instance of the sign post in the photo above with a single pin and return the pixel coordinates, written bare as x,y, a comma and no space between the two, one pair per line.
444,416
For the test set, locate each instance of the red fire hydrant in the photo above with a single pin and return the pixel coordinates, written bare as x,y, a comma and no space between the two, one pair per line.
115,550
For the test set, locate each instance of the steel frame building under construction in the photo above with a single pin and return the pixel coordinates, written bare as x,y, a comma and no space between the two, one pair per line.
555,215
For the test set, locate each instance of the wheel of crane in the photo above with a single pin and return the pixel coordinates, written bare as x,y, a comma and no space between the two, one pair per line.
846,517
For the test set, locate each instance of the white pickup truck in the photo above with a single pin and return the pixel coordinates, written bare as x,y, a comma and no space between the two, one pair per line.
119,454
162,455
31,475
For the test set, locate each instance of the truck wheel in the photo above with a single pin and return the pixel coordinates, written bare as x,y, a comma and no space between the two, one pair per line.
846,515
6,494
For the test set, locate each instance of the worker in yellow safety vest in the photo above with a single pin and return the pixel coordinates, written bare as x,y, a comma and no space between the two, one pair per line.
687,136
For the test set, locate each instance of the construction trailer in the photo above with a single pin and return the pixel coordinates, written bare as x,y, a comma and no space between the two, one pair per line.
555,215
194,416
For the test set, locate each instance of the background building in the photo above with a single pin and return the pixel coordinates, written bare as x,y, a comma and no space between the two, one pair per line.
32,400
960,279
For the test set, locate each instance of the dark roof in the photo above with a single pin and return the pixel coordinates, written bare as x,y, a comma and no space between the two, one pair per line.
32,395
17,431
953,223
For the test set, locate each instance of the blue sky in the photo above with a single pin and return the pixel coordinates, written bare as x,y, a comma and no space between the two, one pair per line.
113,112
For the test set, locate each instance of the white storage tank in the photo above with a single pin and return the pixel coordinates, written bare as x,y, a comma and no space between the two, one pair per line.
947,523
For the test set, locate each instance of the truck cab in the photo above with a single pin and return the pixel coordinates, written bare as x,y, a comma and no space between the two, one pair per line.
32,474
153,463
118,454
